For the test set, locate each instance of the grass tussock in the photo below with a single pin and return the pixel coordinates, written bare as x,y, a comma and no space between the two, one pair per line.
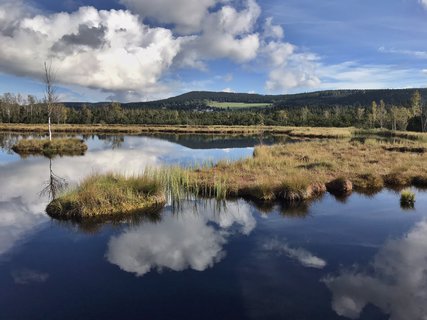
407,198
109,195
65,146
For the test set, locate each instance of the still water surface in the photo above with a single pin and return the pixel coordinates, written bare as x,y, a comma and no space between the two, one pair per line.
358,258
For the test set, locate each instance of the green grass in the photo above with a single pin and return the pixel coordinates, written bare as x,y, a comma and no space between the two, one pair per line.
63,146
233,105
109,195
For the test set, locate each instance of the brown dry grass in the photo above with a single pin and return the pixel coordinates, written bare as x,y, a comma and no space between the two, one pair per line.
300,170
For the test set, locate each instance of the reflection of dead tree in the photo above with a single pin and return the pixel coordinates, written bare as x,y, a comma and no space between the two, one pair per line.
54,185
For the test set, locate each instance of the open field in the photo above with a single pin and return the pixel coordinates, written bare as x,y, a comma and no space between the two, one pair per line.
302,132
235,105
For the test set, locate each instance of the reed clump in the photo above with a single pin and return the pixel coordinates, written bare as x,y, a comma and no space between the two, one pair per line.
61,147
109,195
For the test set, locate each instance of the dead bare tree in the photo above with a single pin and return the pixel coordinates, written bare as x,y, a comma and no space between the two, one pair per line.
50,94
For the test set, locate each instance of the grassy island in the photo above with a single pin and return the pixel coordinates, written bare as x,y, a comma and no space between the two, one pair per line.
287,172
108,196
65,146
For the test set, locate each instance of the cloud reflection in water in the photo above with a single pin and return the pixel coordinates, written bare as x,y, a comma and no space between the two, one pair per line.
397,285
183,241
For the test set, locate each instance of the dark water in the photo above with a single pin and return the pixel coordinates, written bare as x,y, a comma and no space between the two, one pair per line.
363,258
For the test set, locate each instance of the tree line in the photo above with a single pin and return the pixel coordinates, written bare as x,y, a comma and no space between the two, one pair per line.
28,109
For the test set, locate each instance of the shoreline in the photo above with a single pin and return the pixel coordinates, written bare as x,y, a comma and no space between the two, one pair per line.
299,132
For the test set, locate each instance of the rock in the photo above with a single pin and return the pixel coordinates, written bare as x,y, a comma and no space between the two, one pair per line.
340,186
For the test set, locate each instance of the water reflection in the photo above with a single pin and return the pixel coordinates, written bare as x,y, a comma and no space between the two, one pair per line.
397,283
304,257
54,185
28,276
183,241
22,208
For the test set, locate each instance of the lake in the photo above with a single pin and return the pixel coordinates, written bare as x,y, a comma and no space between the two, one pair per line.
362,257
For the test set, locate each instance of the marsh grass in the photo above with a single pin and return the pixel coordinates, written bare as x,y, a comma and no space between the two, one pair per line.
109,195
292,173
62,146
300,171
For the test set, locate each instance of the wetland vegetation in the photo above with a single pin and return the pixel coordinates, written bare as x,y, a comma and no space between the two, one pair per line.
290,173
59,146
108,195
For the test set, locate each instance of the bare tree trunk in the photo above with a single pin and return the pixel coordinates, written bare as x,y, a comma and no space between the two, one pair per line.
50,130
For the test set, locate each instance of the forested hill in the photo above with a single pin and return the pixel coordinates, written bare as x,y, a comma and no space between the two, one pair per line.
330,98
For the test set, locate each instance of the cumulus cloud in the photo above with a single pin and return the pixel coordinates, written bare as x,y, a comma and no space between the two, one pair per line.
125,53
271,30
108,50
397,286
297,71
226,33
179,242
289,67
301,255
186,15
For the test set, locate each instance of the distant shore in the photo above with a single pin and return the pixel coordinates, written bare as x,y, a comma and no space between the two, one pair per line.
303,132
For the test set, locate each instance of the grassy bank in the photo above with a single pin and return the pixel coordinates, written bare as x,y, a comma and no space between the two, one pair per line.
301,132
69,146
109,195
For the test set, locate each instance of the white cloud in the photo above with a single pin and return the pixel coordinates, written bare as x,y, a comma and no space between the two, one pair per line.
297,71
115,52
398,285
179,242
289,68
303,256
186,15
226,33
228,90
272,31
423,3
353,75
108,50
412,53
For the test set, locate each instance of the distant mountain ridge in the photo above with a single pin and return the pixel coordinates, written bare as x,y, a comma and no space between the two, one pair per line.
338,98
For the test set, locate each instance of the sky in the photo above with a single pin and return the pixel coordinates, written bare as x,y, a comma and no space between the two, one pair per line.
139,50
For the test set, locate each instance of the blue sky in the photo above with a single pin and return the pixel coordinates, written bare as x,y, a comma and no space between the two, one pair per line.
130,50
